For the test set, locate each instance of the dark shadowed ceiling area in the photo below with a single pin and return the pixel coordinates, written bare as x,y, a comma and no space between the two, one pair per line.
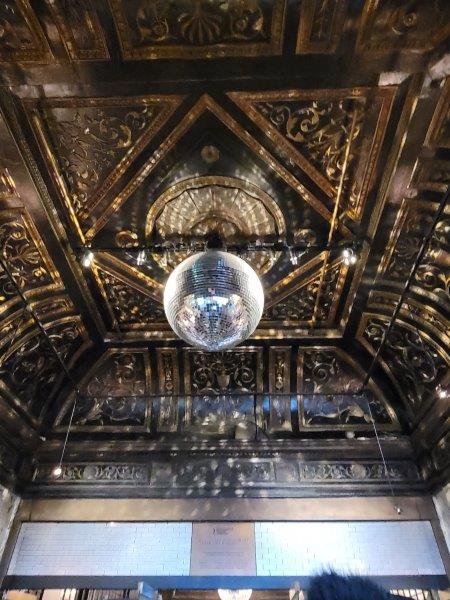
291,128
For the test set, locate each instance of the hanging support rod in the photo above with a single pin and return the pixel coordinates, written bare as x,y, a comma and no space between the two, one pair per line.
398,306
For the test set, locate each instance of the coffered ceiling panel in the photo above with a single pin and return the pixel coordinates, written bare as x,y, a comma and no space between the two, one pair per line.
89,144
195,29
291,129
315,127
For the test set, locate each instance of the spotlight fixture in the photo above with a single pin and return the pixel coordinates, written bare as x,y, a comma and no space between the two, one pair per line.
293,257
350,257
57,471
442,393
87,259
140,260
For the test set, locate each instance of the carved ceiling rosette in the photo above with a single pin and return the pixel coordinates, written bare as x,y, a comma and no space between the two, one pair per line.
112,394
198,29
412,360
234,209
392,25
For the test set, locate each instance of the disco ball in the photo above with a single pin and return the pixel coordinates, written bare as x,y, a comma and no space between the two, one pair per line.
213,300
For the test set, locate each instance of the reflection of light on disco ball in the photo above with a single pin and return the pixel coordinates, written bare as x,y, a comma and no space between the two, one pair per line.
213,300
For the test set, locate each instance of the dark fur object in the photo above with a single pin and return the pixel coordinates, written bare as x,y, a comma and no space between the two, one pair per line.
331,586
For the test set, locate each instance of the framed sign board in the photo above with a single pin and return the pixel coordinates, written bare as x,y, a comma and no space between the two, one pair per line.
223,549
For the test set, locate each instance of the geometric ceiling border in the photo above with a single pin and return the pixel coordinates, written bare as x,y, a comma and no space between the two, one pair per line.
206,103
92,28
168,105
246,100
317,33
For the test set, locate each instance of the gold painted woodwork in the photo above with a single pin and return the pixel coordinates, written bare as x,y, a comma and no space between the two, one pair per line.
192,29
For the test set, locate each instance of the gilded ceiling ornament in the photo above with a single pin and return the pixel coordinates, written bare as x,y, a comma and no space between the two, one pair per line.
129,305
22,256
414,363
21,36
234,209
109,397
223,372
413,25
32,370
90,144
320,26
299,305
321,130
80,29
198,28
433,274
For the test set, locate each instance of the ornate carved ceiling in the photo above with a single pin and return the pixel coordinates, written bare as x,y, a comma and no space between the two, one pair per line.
126,124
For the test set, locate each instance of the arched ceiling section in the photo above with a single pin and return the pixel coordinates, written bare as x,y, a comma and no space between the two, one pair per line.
323,123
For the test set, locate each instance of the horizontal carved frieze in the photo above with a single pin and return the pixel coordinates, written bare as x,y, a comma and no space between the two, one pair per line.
231,473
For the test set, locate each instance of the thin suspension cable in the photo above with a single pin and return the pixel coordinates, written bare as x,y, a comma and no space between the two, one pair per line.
419,258
334,217
68,430
386,472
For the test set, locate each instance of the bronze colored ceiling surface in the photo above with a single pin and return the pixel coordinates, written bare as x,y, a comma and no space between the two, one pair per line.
144,123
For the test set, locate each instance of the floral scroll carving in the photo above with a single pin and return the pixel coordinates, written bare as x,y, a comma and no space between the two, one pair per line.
321,130
299,306
20,250
414,363
90,143
115,394
160,29
130,306
223,372
34,372
432,274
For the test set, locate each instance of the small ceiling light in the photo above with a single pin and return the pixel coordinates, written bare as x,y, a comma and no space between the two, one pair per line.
57,471
350,257
87,259
293,257
442,393
140,260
